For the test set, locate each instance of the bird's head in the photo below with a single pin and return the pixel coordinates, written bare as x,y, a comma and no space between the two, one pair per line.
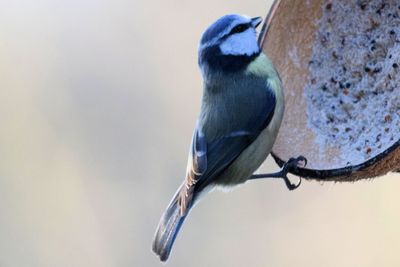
229,44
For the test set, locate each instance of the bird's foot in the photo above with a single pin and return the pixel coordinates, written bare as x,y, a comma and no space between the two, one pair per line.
291,165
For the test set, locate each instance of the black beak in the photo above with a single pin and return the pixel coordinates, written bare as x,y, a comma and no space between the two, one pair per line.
256,21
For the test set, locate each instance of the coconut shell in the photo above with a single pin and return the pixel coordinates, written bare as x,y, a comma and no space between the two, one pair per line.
287,38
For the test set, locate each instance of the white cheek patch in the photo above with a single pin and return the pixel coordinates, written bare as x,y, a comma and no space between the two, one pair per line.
244,43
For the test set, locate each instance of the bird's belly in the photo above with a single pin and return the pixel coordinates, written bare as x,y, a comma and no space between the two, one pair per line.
253,156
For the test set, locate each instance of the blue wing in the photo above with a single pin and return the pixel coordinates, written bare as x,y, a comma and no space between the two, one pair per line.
213,151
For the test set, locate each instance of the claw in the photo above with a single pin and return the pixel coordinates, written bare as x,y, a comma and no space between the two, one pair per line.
302,158
292,164
290,185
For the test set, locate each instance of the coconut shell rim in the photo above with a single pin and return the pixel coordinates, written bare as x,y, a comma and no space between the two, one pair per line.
329,174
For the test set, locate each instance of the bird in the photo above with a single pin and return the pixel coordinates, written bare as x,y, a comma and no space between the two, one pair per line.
241,111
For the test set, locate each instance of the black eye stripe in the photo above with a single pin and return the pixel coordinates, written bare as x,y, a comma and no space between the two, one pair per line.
239,28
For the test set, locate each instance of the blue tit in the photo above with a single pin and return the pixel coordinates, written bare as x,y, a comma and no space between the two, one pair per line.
241,112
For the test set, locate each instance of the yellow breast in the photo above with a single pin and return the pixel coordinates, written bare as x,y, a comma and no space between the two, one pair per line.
253,156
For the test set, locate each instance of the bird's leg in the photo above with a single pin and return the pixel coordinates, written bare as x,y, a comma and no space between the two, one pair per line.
291,164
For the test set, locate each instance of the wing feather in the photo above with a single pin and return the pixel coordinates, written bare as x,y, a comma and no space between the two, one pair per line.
210,156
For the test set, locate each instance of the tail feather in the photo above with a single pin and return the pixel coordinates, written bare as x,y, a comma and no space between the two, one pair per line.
168,228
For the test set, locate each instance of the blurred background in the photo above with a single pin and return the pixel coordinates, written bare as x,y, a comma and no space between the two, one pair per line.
98,100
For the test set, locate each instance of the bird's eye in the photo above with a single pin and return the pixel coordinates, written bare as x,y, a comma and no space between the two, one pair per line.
239,28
